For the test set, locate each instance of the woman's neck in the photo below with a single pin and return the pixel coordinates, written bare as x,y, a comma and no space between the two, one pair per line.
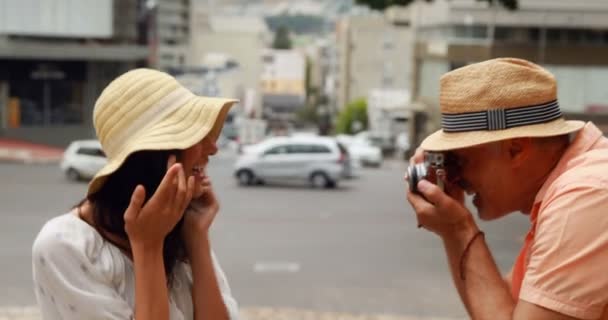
85,212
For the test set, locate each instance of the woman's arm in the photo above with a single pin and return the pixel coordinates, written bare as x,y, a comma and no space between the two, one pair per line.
151,294
147,228
206,294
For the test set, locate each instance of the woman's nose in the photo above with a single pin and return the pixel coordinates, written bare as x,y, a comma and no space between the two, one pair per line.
212,148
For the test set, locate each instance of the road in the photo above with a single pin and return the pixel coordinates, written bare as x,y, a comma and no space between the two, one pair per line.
354,249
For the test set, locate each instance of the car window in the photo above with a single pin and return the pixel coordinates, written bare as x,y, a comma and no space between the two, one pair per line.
320,149
299,148
276,150
91,152
308,148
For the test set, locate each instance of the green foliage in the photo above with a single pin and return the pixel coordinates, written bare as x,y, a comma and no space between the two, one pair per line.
355,111
282,39
382,4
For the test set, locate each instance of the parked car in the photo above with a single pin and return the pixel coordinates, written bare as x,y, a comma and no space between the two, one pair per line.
320,161
361,150
82,159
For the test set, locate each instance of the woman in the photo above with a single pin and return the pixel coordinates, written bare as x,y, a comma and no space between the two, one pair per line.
138,246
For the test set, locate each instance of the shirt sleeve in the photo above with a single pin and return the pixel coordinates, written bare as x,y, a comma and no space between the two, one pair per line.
70,284
566,269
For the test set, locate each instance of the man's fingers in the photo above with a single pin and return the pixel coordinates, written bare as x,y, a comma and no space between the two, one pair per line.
432,193
137,201
418,156
419,204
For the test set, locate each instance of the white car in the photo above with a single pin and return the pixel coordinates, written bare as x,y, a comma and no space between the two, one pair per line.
361,150
320,161
82,159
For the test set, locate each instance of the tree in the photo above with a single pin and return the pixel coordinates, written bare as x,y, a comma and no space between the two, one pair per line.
383,4
354,112
282,39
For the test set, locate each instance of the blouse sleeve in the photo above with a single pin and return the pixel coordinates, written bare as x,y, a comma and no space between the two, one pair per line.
73,281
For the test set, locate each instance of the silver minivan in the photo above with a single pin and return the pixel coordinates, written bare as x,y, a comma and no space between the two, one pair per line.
320,161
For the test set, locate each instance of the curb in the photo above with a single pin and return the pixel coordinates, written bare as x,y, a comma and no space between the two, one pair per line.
247,313
26,157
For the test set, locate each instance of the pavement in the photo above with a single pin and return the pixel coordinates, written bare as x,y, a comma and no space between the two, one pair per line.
257,313
19,151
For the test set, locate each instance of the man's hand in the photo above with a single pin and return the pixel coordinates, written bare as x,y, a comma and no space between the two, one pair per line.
439,212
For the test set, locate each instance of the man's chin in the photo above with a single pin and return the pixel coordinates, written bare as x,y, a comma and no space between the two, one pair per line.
484,215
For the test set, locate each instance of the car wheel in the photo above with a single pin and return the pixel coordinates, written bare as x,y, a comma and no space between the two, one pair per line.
319,180
245,177
72,174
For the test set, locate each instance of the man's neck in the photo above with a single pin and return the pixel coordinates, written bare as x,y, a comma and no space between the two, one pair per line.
545,169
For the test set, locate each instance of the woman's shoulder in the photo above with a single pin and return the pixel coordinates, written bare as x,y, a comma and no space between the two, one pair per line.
65,230
67,240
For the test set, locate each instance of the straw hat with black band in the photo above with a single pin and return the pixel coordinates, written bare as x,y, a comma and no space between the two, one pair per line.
146,109
496,100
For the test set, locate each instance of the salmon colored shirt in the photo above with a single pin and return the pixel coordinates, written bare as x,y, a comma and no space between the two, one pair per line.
563,265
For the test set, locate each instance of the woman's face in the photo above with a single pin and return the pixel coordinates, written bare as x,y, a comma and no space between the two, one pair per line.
195,160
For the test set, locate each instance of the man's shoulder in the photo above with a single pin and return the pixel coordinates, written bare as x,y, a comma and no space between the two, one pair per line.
587,169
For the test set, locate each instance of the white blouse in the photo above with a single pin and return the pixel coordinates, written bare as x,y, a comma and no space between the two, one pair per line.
79,275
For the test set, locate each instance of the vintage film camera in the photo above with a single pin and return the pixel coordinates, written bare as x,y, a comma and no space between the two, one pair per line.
433,169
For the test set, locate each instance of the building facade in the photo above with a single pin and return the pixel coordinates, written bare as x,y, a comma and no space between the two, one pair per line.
374,52
283,83
170,34
242,38
56,58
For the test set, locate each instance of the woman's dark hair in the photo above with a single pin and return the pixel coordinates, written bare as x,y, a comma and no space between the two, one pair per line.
109,203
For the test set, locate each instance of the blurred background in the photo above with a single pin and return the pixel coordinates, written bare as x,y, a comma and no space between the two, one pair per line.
334,97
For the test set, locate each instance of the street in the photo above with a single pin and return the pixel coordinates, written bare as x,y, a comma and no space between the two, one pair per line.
354,249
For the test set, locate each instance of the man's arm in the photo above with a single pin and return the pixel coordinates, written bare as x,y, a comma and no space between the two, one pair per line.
479,283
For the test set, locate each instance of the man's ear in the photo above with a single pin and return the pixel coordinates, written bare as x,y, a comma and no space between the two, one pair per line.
519,150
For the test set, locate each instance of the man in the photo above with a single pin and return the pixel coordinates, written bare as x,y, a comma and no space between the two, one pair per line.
502,126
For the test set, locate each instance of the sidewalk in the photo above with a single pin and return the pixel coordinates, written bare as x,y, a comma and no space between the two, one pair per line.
18,151
32,313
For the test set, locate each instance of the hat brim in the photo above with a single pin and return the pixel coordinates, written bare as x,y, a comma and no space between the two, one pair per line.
442,141
197,118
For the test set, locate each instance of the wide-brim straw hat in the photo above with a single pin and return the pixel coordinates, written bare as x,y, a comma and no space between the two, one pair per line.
496,100
146,109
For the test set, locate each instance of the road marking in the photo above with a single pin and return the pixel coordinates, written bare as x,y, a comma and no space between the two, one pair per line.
276,267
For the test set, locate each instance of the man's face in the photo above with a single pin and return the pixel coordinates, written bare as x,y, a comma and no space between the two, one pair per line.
485,172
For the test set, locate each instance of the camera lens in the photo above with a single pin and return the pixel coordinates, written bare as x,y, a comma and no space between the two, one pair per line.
415,173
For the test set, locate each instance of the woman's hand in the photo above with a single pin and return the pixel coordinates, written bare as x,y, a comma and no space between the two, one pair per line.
148,225
199,217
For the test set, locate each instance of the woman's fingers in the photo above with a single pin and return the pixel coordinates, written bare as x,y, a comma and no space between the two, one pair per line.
137,200
180,192
189,192
167,188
